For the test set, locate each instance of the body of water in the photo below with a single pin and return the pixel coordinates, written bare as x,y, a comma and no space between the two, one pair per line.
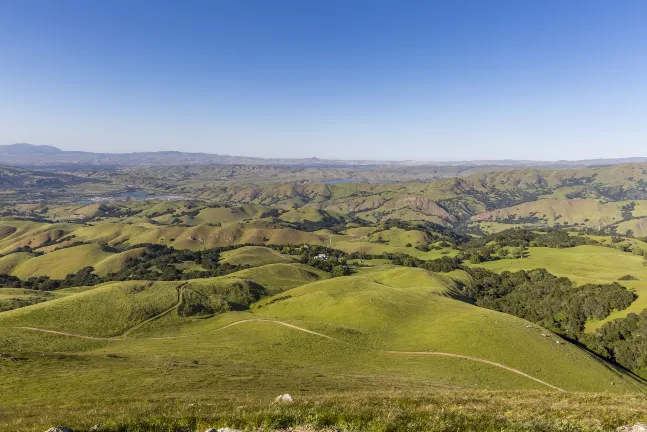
136,195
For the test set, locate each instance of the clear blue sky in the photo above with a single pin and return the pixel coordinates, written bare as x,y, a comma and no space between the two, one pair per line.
428,80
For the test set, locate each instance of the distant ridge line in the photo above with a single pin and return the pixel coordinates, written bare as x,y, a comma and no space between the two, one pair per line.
24,154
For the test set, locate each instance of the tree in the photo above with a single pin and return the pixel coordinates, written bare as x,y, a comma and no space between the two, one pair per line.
340,270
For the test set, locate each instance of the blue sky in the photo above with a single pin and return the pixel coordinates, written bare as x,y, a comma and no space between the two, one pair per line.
424,80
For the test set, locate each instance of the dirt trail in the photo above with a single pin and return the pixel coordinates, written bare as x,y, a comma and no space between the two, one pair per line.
499,365
180,293
301,329
66,334
123,335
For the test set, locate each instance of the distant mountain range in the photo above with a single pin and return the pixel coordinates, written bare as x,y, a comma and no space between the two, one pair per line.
42,155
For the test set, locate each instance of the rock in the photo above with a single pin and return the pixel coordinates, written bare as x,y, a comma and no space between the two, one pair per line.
95,428
223,430
59,429
638,427
284,398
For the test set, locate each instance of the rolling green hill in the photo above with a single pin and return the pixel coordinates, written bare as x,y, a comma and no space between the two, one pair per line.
385,328
60,263
254,256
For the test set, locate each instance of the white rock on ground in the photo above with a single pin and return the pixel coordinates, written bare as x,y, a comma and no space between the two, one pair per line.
223,430
284,398
59,429
638,427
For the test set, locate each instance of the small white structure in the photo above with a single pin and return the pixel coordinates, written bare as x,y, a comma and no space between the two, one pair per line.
322,256
284,398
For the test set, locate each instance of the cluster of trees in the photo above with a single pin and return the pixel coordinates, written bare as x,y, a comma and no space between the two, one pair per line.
117,211
623,341
523,237
159,262
321,257
434,231
327,221
84,277
426,248
627,211
553,302
15,303
514,243
500,198
441,265
156,262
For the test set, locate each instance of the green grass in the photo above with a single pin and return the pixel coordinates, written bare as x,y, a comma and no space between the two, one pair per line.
362,311
13,298
104,311
302,214
60,263
9,262
222,214
276,278
378,411
114,263
154,369
17,233
380,248
253,256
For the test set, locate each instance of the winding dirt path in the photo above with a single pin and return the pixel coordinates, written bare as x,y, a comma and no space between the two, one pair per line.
304,330
123,335
67,334
180,293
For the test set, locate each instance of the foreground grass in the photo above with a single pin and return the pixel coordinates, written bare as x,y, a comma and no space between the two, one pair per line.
456,410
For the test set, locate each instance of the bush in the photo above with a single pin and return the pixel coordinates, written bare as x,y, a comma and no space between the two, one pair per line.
627,278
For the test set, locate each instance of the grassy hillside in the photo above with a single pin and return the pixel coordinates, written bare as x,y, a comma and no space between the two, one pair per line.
362,311
105,311
20,233
115,262
384,329
60,263
254,256
9,262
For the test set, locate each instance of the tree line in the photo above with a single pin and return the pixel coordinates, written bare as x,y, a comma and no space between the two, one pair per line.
555,303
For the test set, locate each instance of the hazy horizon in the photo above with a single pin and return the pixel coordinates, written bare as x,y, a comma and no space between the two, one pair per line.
366,159
423,81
